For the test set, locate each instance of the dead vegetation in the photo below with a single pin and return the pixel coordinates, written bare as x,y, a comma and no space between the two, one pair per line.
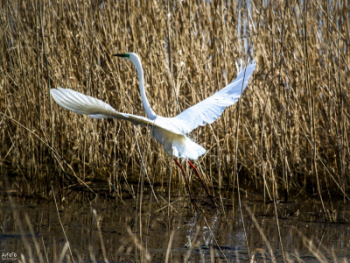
289,131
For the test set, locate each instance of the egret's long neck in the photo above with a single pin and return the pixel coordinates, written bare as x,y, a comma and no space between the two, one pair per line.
150,113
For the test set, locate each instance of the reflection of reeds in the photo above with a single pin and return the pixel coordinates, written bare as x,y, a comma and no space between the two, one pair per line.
66,232
293,119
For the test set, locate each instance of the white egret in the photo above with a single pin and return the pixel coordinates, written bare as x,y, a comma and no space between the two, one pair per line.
170,132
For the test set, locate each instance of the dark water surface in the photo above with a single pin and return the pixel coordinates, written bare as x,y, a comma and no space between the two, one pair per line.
114,229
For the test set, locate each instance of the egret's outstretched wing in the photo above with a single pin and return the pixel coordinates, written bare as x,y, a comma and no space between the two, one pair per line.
95,108
208,110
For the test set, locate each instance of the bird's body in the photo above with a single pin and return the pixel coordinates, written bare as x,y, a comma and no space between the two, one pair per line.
170,132
178,145
162,129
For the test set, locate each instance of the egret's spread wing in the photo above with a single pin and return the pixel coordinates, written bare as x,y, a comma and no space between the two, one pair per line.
95,108
208,110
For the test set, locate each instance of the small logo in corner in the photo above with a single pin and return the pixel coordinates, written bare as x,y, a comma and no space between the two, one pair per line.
8,256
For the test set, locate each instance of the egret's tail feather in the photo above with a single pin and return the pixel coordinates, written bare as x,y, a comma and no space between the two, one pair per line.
189,149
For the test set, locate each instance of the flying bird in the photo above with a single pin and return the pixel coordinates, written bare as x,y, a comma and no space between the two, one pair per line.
170,132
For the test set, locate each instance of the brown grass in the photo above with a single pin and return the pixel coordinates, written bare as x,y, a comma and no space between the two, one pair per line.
293,119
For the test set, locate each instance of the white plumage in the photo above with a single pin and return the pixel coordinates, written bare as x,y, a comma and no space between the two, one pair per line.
170,132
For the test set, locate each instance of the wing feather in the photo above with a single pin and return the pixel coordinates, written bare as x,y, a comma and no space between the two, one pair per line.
95,108
208,110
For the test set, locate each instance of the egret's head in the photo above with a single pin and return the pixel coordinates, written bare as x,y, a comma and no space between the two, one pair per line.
134,58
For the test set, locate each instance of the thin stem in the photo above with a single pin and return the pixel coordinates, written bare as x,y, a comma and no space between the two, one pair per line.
41,14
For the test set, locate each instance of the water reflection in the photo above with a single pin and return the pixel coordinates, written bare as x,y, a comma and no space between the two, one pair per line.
124,234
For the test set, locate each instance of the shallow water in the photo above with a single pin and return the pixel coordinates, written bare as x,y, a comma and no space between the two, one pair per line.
128,236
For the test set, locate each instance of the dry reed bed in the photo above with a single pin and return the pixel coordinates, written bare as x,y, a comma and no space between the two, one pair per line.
292,122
